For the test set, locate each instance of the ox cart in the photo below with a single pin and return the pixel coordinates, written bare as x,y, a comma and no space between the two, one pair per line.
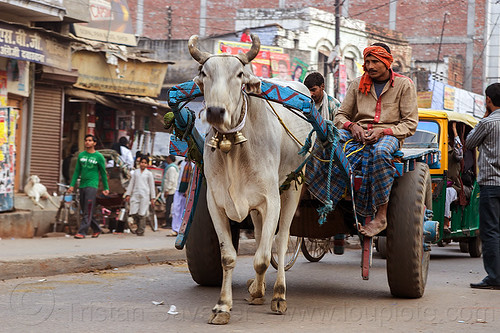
410,229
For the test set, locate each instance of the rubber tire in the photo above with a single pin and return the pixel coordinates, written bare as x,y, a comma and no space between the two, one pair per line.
202,245
307,251
464,246
382,246
475,250
407,262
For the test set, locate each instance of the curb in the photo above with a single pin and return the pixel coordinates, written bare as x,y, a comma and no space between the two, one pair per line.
86,263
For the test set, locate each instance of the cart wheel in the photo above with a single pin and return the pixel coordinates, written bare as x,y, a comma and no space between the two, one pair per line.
314,249
291,254
202,244
464,246
475,250
407,262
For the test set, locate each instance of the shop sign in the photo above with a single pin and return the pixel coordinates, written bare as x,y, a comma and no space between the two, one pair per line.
132,77
449,98
23,43
424,99
110,21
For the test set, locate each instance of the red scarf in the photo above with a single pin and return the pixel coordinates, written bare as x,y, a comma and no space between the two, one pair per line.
381,54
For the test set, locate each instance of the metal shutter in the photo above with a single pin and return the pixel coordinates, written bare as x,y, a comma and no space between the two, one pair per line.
46,136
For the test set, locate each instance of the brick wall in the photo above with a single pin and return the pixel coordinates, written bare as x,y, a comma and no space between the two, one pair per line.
415,19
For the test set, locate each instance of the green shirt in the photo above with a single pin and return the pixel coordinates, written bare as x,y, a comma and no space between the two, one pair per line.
88,167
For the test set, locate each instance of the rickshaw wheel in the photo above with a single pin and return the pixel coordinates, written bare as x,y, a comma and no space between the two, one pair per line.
291,254
407,262
381,246
475,250
464,246
314,249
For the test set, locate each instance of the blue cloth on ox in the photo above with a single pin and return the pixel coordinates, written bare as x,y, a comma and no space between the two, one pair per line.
374,162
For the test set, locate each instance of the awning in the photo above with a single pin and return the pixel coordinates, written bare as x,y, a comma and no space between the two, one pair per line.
114,101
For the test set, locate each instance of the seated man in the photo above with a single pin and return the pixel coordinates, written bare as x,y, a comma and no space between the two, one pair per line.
326,105
379,111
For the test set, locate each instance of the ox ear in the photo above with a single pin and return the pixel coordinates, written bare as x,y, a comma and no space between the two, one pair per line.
252,82
199,82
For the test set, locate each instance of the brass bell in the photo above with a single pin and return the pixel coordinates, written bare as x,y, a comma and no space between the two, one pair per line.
213,142
239,138
225,144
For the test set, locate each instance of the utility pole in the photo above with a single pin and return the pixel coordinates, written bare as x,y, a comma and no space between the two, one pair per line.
169,22
336,74
439,50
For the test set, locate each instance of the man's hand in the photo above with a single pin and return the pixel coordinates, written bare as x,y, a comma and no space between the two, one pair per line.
373,135
357,133
105,192
152,202
127,198
70,189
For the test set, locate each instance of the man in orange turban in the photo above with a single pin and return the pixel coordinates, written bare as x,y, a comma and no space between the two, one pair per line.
379,111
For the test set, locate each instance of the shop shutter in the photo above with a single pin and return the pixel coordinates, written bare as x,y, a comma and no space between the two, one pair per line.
46,135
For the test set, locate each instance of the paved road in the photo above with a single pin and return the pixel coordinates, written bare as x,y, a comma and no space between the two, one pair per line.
322,297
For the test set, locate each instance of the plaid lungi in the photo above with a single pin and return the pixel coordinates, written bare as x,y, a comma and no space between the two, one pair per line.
374,163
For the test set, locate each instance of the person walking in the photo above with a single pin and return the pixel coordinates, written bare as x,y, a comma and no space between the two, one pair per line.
141,193
169,186
486,136
179,202
89,166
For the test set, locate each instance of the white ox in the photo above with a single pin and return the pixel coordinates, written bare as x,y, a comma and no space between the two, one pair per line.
247,178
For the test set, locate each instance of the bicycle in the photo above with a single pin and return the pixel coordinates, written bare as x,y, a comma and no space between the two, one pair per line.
68,215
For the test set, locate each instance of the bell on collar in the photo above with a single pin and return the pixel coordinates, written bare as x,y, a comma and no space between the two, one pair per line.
239,138
225,144
213,142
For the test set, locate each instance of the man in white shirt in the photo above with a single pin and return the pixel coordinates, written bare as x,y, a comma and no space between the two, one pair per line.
141,193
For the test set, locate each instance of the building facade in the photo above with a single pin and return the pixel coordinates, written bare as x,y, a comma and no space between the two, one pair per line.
464,32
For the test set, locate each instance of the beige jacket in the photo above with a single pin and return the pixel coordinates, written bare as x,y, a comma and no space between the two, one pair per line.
396,110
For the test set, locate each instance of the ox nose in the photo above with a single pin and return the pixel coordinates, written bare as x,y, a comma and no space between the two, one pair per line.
215,114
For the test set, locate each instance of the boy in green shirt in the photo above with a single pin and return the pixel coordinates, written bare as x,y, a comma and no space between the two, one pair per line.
90,164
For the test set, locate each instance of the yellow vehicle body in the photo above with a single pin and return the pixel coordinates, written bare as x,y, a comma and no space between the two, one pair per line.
442,118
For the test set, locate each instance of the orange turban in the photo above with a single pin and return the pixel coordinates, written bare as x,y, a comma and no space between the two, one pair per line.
381,54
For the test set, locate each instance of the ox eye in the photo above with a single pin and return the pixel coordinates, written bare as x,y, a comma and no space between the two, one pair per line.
240,75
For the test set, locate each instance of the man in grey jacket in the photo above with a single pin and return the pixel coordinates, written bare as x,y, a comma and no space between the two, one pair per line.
486,136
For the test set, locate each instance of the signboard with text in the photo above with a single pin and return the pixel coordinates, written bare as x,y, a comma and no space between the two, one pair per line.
110,21
23,43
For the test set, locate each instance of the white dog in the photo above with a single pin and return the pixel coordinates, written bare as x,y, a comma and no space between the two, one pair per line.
36,190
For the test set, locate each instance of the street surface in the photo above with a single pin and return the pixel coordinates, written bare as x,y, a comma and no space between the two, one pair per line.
327,296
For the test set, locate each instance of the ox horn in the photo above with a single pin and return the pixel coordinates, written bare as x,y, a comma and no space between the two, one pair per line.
198,55
252,53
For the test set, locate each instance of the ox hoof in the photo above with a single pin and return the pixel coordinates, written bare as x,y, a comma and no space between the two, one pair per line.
278,305
255,300
219,318
255,291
